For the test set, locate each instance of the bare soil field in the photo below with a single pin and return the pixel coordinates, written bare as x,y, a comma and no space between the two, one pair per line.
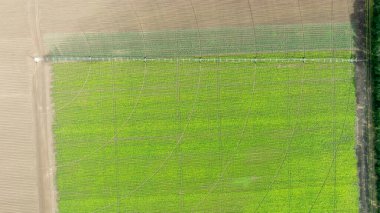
147,15
26,185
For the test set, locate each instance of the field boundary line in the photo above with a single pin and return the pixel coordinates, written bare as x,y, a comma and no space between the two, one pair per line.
365,129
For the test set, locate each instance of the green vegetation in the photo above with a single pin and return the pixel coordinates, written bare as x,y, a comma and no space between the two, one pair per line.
187,43
375,66
183,136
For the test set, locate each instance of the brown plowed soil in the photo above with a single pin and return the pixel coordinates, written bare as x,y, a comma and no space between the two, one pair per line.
22,106
118,16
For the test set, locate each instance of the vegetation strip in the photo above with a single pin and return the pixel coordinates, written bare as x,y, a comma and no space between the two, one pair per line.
375,68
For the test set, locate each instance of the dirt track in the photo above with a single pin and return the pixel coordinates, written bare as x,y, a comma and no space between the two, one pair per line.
25,180
26,147
364,111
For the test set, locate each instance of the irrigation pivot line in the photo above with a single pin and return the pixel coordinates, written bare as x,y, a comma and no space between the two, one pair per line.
58,59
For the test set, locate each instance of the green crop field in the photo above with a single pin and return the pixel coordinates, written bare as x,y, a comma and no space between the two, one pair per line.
206,136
